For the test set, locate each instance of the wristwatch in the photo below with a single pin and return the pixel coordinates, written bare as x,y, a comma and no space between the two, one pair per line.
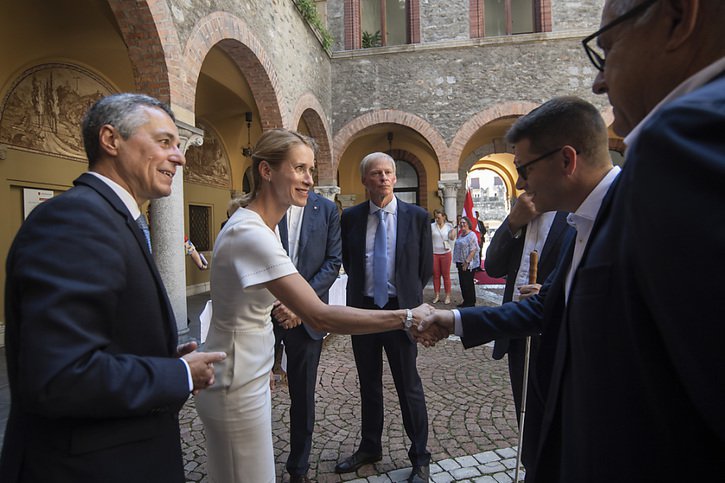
408,319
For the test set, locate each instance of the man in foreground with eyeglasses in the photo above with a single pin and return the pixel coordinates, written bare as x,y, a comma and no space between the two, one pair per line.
637,392
648,365
563,162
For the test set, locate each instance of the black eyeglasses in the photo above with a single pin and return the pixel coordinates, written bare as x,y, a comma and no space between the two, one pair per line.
521,168
595,57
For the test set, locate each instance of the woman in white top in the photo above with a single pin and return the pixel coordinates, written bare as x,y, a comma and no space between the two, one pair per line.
443,237
250,270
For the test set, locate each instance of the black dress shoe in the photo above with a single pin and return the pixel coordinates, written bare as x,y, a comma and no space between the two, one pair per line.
420,474
358,459
299,479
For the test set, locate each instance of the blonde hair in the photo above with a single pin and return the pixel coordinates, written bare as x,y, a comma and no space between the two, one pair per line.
274,147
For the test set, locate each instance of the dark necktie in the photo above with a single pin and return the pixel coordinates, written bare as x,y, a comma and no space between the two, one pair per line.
380,262
141,221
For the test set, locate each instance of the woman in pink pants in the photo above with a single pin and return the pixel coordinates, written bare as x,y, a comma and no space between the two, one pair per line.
443,235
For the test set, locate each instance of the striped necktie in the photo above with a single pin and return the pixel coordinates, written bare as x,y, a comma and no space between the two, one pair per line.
141,221
380,262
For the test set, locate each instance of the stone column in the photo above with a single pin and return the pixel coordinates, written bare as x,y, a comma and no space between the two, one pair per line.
447,191
329,191
167,233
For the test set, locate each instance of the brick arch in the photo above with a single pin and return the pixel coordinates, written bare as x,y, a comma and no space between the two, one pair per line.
470,127
152,44
346,135
403,155
236,39
310,109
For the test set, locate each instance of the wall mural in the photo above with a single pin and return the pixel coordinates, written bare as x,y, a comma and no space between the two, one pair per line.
208,164
42,112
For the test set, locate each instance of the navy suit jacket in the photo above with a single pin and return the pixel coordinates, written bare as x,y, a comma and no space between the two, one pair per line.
413,253
90,340
637,368
639,373
319,253
503,258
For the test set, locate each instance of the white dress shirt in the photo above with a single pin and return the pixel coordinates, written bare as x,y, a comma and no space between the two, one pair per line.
294,227
536,232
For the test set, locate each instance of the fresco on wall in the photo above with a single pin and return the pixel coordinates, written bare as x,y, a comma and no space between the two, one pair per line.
208,164
42,112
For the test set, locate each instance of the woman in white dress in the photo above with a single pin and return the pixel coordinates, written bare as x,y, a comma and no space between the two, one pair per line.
250,270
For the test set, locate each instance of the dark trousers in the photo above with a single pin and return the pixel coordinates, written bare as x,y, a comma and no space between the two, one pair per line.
401,353
303,358
468,290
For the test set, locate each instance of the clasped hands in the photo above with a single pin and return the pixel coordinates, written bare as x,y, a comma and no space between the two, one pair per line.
431,325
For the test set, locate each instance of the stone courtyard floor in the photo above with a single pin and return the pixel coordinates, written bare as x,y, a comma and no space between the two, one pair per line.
472,421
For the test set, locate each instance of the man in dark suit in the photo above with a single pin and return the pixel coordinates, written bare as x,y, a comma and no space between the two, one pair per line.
523,231
397,235
311,236
563,162
639,368
96,381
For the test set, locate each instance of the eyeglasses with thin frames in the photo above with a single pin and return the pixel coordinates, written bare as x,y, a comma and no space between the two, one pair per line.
522,168
595,57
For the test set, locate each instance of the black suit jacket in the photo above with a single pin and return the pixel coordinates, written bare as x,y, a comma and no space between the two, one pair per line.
90,337
503,258
639,367
413,253
319,252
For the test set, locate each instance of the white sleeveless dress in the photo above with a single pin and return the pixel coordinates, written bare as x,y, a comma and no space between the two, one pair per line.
236,410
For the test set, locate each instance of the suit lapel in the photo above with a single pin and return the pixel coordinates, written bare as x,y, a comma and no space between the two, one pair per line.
401,232
312,209
107,193
283,234
555,232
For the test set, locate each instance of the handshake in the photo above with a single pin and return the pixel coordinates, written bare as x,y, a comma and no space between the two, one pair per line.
431,325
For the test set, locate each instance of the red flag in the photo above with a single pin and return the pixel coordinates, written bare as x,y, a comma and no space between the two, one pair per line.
468,213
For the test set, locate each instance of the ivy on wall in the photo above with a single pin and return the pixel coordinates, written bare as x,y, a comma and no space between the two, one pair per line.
309,12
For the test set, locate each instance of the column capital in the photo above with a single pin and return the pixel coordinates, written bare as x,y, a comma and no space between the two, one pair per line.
189,135
448,187
329,191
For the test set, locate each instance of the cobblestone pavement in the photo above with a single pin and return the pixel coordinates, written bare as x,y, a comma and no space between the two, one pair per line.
472,421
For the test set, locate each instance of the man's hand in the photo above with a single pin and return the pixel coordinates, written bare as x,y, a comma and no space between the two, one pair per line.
201,365
285,317
183,349
526,291
438,325
522,212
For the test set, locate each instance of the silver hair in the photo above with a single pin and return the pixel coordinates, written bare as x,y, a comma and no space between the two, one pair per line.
123,111
371,157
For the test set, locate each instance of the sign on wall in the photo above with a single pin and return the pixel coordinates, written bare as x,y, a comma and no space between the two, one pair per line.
32,197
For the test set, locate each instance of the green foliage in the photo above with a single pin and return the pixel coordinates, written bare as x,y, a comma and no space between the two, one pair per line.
309,12
371,40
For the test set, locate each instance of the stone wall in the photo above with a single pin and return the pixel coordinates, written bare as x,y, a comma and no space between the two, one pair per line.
444,20
297,57
576,14
447,86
